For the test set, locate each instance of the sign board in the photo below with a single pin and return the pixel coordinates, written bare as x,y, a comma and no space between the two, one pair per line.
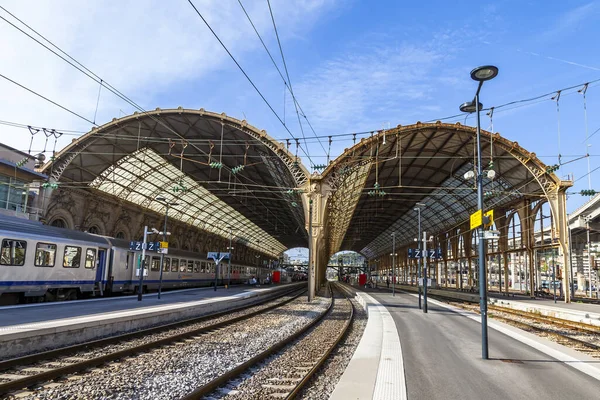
139,246
477,220
217,256
164,245
133,245
491,235
163,250
431,253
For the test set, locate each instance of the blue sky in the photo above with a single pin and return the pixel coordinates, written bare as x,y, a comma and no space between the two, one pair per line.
354,65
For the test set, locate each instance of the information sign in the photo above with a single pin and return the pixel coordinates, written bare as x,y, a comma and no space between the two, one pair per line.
217,256
431,253
139,246
476,219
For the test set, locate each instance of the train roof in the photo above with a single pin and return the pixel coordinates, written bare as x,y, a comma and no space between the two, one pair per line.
21,225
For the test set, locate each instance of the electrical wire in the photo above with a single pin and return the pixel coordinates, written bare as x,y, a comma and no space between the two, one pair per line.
246,75
289,81
288,88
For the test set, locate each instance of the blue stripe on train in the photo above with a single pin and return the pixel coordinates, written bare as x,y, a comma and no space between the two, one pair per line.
37,283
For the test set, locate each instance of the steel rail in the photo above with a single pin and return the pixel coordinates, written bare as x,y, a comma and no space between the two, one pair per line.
325,355
29,380
582,326
221,380
563,336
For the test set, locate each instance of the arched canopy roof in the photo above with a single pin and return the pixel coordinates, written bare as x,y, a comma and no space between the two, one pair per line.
378,183
222,172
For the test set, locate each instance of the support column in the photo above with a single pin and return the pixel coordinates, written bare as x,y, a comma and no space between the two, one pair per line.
558,205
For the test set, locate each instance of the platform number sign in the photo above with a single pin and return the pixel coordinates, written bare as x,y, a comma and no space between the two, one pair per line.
431,253
139,246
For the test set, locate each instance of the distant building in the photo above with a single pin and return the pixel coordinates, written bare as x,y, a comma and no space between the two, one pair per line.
19,183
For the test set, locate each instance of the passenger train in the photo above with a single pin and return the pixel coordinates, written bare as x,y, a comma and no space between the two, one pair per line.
44,263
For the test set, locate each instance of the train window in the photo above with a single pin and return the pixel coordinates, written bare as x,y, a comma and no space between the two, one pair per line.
13,252
147,263
45,255
72,258
190,266
182,265
196,266
155,266
203,266
175,265
167,264
90,258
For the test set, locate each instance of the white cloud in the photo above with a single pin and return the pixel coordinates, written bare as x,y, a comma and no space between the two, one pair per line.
143,48
355,89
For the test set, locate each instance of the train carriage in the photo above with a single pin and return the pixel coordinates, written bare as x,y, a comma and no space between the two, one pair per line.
45,263
48,263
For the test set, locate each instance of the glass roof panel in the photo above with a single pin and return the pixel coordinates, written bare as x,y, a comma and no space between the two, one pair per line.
143,175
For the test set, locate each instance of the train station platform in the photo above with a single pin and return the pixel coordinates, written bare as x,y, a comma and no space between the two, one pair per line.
441,357
579,312
35,327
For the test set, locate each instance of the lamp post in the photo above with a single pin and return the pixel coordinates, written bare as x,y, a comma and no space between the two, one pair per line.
394,264
164,201
229,249
425,272
481,74
589,253
418,210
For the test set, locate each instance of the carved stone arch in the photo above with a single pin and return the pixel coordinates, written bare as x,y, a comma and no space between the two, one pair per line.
62,214
121,227
97,223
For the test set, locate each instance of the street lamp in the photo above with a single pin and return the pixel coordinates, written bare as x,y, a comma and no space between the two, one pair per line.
481,74
229,249
164,201
393,263
418,210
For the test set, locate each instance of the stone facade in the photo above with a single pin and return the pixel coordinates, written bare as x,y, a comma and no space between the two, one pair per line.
91,211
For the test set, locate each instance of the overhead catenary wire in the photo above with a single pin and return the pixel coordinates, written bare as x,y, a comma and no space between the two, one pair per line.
287,87
353,135
246,75
289,81
86,71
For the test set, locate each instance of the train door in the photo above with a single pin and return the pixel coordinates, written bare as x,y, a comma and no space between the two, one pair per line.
100,270
110,276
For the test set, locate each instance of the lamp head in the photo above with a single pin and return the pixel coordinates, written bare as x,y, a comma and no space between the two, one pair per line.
484,73
469,107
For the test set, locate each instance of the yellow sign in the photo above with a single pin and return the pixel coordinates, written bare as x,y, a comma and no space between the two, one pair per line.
476,219
490,221
164,245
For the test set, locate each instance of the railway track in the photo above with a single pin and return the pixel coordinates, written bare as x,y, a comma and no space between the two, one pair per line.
580,326
576,335
571,334
292,363
27,371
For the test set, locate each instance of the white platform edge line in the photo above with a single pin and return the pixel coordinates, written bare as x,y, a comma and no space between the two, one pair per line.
93,300
391,380
134,312
554,353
